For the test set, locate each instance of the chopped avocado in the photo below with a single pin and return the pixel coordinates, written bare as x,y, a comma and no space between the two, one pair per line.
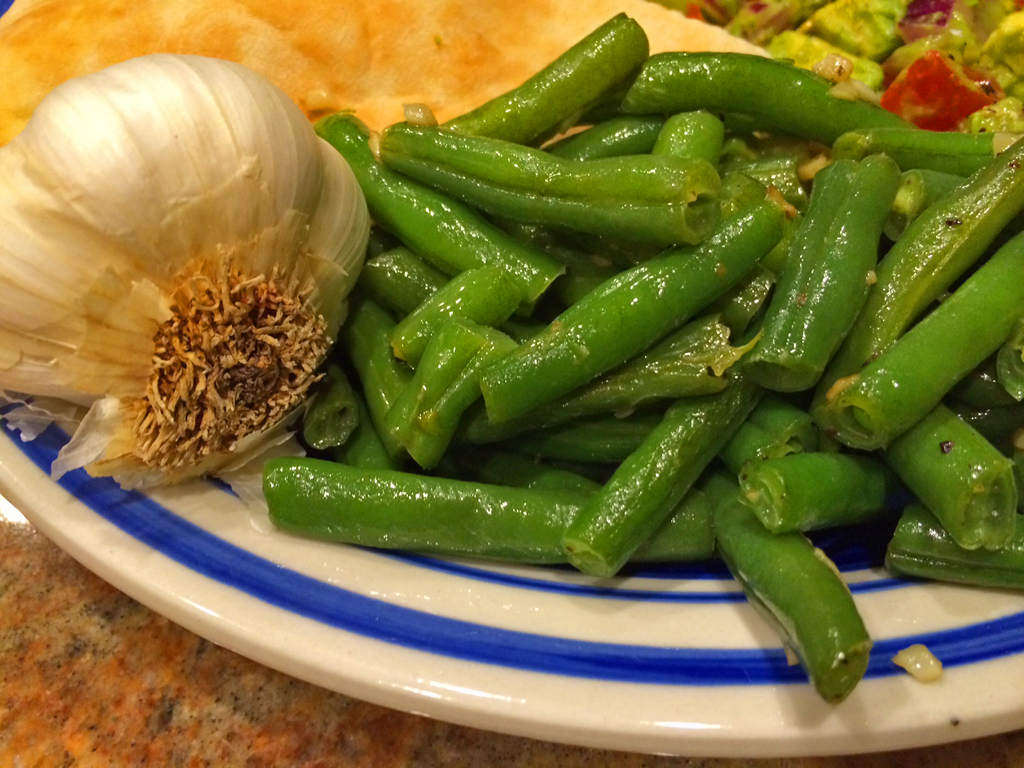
1003,54
1005,116
806,51
867,28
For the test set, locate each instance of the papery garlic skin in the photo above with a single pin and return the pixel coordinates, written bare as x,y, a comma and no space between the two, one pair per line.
130,193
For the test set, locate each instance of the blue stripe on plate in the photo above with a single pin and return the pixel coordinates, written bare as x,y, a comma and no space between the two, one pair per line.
714,569
218,560
5,6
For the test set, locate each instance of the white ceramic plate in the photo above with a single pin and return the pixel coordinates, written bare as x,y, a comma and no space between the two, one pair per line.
659,661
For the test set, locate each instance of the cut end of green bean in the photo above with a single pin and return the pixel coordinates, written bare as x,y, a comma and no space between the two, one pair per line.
848,417
585,559
765,493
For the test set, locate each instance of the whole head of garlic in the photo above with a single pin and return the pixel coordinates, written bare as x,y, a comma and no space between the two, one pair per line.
176,245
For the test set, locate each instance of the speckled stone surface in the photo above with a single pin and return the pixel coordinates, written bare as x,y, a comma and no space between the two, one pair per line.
88,677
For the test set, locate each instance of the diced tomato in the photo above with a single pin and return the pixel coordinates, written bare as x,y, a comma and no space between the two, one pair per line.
693,11
935,92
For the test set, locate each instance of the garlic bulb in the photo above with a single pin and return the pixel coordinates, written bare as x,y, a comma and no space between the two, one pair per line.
176,245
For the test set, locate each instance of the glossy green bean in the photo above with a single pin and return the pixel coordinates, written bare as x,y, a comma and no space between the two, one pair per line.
746,300
777,95
602,439
921,548
775,428
809,491
960,154
625,135
825,282
333,412
1010,363
400,280
962,479
555,97
900,386
386,509
365,448
688,362
918,189
659,200
651,481
628,314
796,587
450,235
486,295
698,135
981,388
444,392
365,336
454,344
939,246
781,171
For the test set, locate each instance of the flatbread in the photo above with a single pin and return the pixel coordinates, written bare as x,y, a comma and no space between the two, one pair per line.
371,57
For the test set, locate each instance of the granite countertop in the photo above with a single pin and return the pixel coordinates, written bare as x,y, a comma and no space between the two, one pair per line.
92,678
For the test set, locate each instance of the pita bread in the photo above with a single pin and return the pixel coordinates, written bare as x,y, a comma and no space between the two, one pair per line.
371,57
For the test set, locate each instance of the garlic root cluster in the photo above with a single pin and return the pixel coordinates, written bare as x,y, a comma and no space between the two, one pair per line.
176,246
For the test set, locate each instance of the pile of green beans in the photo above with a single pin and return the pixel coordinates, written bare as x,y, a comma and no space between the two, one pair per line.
654,338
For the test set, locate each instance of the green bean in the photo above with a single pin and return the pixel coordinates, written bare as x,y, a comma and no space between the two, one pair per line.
941,244
444,387
332,414
365,336
687,536
450,235
808,491
981,388
626,135
627,314
800,592
486,295
697,135
603,439
652,480
380,241
508,468
401,510
960,154
658,200
777,95
997,425
688,362
776,170
775,428
825,281
400,280
555,97
921,548
740,191
918,189
446,355
965,482
898,388
365,448
1010,363
746,300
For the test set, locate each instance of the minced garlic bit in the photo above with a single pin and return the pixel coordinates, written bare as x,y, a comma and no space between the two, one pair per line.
839,386
419,114
809,168
834,67
872,277
920,663
237,354
374,142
